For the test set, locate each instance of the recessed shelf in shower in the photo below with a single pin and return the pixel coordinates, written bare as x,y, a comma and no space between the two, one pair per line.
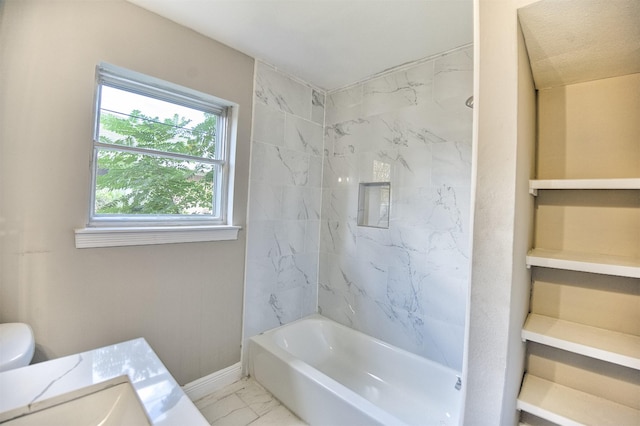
374,201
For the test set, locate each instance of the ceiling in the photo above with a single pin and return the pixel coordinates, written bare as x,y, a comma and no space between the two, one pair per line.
328,43
573,41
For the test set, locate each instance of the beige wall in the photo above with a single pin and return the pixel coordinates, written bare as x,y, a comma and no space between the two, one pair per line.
185,299
595,221
598,300
590,375
590,130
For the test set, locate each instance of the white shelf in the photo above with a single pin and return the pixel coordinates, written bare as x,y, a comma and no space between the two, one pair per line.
569,407
585,262
535,185
611,346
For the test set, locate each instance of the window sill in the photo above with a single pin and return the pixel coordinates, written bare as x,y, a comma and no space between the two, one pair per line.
138,236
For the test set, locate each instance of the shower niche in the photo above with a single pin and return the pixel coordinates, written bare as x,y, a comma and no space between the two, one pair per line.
373,204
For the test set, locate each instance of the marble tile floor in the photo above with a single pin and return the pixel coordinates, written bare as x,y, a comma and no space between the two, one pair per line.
244,403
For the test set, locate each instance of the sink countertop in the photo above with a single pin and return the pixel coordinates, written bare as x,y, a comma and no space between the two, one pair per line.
162,397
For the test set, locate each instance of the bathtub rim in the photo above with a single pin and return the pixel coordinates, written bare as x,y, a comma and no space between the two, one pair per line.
262,337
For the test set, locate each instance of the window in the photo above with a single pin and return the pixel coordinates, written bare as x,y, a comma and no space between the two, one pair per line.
161,157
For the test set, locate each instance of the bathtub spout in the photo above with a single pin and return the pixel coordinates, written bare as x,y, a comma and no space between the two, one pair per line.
459,383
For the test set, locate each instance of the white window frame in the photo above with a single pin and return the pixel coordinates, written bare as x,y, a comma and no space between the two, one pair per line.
124,230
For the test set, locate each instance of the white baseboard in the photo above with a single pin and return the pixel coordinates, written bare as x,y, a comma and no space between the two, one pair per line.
213,382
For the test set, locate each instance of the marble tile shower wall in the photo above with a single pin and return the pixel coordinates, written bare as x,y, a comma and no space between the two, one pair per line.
284,203
407,284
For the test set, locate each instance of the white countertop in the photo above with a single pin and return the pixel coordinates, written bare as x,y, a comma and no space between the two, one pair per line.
162,397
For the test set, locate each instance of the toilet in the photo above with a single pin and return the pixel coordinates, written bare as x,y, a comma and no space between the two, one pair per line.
16,345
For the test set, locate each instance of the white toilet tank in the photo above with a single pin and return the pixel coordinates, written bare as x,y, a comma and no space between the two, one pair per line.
16,345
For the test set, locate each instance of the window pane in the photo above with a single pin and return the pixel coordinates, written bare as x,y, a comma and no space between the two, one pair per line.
136,184
135,120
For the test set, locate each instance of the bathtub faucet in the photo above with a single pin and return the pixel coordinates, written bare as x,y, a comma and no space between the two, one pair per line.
459,383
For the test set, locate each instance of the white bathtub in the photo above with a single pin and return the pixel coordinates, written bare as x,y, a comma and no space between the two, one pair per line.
329,374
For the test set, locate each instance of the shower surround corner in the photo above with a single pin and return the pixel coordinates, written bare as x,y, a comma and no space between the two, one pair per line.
406,285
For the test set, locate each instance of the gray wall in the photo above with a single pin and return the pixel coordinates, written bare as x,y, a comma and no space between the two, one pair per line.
185,299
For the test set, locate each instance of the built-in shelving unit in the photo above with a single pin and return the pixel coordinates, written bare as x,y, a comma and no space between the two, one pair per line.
554,402
566,406
583,331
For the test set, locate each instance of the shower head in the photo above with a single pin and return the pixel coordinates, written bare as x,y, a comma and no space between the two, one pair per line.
469,102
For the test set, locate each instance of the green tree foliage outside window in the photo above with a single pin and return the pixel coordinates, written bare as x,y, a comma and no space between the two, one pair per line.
139,183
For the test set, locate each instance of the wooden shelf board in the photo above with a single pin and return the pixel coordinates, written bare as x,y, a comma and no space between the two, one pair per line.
585,262
536,184
570,407
611,346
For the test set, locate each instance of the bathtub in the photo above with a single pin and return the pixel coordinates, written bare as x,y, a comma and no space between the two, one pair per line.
329,374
